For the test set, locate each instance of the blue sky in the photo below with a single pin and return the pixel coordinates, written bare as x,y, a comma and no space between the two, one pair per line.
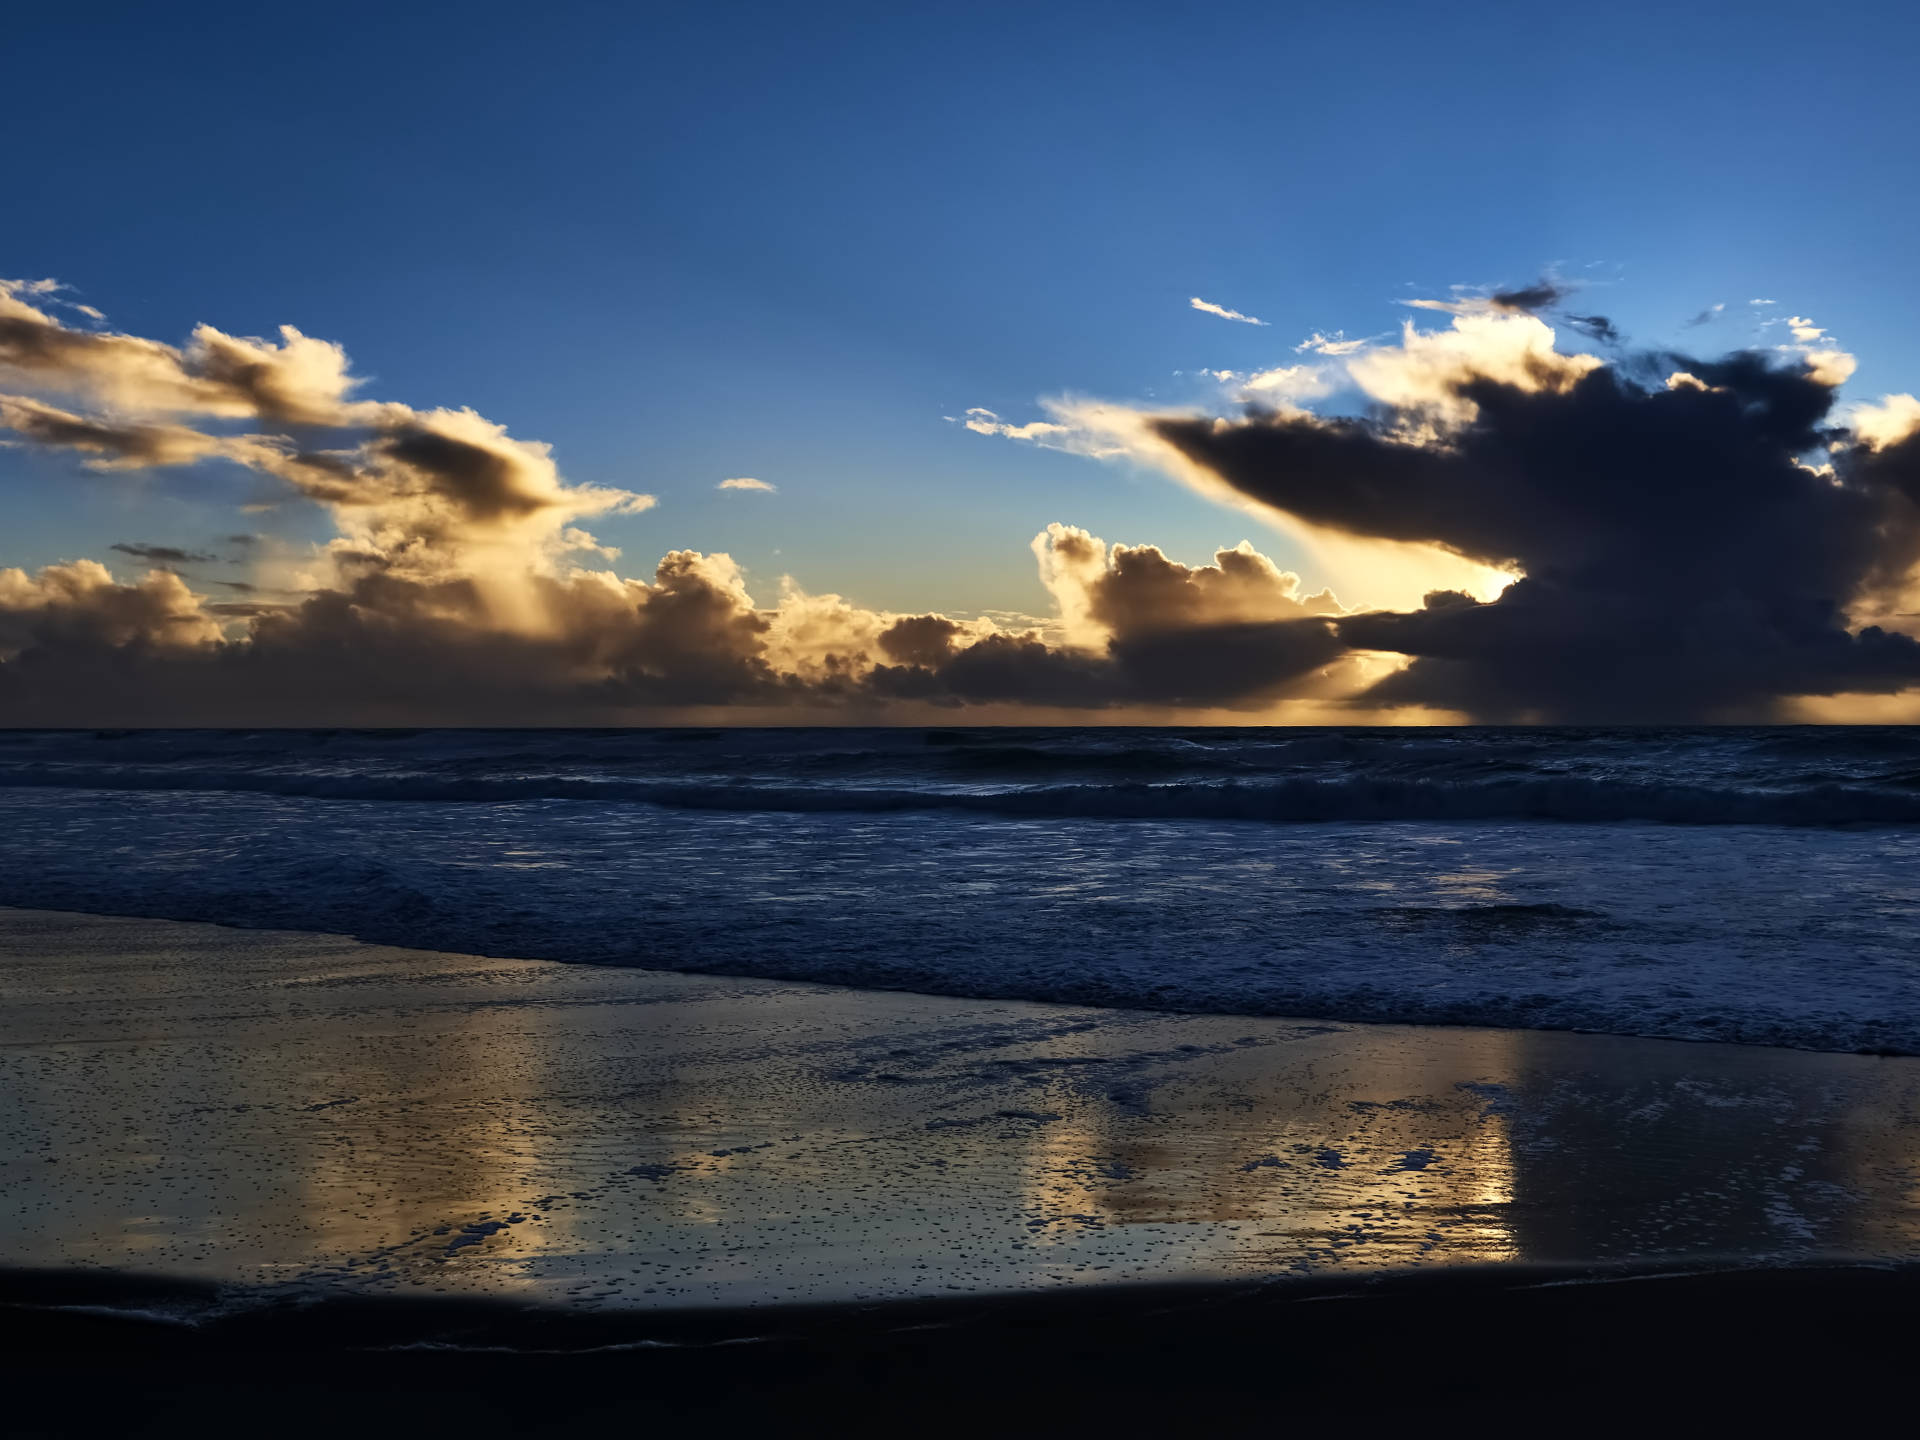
682,243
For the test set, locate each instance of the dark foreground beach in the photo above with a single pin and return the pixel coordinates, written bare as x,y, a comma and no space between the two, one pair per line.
1570,1349
267,1180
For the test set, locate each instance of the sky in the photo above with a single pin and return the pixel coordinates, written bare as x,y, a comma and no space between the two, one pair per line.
857,253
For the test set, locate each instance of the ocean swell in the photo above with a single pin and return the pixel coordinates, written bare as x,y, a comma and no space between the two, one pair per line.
1344,800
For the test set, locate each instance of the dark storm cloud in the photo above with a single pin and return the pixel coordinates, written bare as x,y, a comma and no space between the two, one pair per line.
1680,559
1231,665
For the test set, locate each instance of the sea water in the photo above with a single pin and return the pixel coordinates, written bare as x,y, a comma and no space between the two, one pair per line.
1755,885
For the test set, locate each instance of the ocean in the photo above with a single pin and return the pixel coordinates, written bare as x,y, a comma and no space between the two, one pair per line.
1753,885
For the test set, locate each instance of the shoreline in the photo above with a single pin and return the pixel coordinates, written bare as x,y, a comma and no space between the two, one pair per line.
310,1112
1337,1016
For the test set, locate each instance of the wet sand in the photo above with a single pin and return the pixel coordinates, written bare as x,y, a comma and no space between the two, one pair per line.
303,1114
1444,1348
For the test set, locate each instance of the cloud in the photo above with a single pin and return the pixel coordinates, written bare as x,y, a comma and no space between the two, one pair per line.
1651,535
298,380
1140,630
1225,314
78,648
1543,294
129,445
422,493
458,589
1596,327
1290,383
79,609
1432,374
745,482
1677,559
1710,314
162,554
1891,422
986,422
1335,344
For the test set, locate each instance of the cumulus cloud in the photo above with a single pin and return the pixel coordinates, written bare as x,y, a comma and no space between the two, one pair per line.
1140,630
1894,420
1430,374
417,493
745,482
1678,559
1225,314
78,648
298,380
79,608
461,587
1661,536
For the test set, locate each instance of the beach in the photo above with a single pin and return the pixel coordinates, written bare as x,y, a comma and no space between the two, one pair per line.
289,1112
220,1138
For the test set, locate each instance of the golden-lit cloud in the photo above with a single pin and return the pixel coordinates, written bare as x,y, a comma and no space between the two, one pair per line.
1894,419
297,381
1498,528
80,604
1430,372
462,586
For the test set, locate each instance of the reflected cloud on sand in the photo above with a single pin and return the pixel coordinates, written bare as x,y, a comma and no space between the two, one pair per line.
406,1121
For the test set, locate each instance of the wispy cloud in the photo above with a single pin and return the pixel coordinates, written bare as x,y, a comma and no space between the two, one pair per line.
982,421
745,482
1543,294
1710,314
1223,312
162,554
1335,344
